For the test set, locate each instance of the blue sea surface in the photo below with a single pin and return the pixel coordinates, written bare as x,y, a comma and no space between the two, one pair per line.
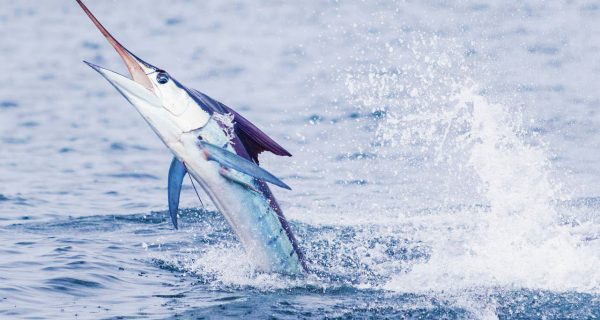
445,160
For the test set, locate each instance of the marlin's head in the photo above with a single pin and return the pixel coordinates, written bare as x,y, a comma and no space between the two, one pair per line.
150,89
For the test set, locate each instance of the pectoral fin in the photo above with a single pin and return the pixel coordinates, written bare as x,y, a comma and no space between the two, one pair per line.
231,160
177,171
235,177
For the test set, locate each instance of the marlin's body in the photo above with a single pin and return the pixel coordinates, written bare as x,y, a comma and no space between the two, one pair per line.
219,148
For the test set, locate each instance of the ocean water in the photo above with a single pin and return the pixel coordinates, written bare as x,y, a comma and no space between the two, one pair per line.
445,160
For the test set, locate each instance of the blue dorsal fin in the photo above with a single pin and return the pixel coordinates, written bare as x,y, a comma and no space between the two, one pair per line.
231,160
177,171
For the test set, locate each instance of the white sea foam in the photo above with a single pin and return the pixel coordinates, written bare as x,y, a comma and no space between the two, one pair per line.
519,241
493,221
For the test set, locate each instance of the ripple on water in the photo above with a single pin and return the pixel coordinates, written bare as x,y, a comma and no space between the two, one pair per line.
173,21
6,104
90,45
120,146
72,286
134,175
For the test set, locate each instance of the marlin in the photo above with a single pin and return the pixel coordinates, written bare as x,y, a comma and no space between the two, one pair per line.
219,149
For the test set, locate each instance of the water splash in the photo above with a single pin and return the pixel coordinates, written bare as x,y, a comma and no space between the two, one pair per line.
494,220
518,241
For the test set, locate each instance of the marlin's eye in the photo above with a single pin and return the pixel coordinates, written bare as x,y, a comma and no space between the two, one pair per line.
162,78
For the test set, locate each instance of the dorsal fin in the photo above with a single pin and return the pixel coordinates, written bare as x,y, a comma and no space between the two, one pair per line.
254,140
